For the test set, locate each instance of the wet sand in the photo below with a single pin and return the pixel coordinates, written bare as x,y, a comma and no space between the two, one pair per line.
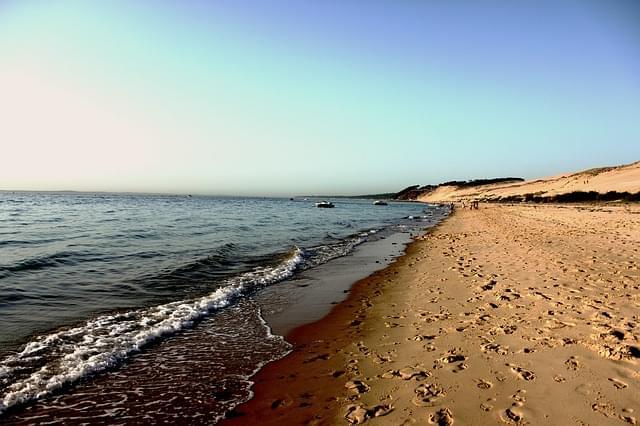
310,295
506,314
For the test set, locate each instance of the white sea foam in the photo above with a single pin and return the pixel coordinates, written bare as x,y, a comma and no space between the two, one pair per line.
324,253
62,358
287,348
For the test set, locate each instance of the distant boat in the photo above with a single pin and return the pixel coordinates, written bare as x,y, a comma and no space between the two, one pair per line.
325,205
380,203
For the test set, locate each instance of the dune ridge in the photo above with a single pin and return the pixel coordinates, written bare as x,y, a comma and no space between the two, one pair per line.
623,180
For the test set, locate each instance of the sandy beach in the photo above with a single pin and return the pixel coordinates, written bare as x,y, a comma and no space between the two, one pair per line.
515,314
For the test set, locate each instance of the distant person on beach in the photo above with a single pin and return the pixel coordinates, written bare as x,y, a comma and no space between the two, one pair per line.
473,205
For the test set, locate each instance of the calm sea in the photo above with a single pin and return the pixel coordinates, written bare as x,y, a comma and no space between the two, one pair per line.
117,288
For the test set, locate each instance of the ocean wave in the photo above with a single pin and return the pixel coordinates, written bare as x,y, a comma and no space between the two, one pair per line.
226,260
68,257
40,262
323,253
29,242
51,362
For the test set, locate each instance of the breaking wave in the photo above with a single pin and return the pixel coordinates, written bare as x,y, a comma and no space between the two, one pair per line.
50,362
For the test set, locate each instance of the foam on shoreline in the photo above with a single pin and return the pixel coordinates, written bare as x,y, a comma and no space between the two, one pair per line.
61,358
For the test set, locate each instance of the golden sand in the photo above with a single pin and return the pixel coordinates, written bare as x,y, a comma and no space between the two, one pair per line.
502,315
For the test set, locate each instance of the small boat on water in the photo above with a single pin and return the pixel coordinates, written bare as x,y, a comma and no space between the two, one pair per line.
325,205
380,203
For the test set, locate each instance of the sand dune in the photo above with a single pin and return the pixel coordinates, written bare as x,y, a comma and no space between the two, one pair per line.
602,180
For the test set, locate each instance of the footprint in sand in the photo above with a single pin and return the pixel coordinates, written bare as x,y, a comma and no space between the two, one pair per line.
629,419
572,363
460,367
452,358
442,417
485,406
509,329
604,408
618,383
358,414
559,379
508,297
522,373
419,338
494,347
280,403
381,359
363,349
484,384
489,285
407,373
519,397
510,415
428,394
357,386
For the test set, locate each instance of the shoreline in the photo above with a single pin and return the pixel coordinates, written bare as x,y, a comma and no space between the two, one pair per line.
314,359
508,314
214,377
311,294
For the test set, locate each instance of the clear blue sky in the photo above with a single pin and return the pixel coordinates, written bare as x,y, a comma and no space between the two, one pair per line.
290,97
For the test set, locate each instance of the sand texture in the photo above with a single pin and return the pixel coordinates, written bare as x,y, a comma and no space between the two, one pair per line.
502,315
602,180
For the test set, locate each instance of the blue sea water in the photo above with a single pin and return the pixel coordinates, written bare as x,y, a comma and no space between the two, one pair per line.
89,279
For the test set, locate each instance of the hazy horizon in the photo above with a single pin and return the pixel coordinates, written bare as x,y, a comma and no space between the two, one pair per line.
248,194
279,98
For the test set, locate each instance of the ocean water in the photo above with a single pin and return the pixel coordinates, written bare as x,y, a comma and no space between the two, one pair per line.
140,307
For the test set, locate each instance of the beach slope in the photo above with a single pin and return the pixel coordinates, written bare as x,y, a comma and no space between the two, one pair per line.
507,314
